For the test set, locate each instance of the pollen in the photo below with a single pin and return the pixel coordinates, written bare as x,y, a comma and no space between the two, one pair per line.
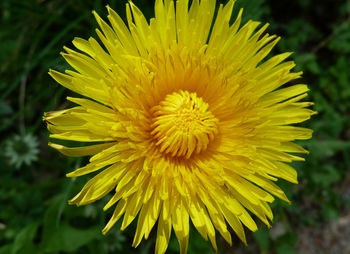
183,124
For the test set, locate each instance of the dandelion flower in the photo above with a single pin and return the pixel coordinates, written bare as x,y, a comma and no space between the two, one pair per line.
185,120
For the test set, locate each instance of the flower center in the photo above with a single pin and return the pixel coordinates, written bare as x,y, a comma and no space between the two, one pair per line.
183,125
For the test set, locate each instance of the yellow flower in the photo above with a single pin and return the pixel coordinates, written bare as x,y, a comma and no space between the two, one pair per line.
186,120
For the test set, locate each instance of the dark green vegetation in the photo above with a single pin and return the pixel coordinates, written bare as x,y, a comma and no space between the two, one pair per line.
34,215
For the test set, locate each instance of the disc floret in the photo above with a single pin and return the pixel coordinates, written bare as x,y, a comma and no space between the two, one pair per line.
183,124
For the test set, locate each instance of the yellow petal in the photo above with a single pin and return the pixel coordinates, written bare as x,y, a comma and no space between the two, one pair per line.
80,151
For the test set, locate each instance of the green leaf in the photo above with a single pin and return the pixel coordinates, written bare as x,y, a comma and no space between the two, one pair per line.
285,243
327,148
326,175
308,61
24,238
67,238
6,249
330,212
285,249
341,40
262,237
173,245
5,109
51,220
197,244
253,9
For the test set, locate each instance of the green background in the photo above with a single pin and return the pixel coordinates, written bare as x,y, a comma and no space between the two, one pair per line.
34,215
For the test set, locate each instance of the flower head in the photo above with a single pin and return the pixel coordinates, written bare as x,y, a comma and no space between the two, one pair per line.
187,117
22,149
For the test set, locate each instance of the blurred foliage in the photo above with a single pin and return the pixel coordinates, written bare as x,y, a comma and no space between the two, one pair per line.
34,215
